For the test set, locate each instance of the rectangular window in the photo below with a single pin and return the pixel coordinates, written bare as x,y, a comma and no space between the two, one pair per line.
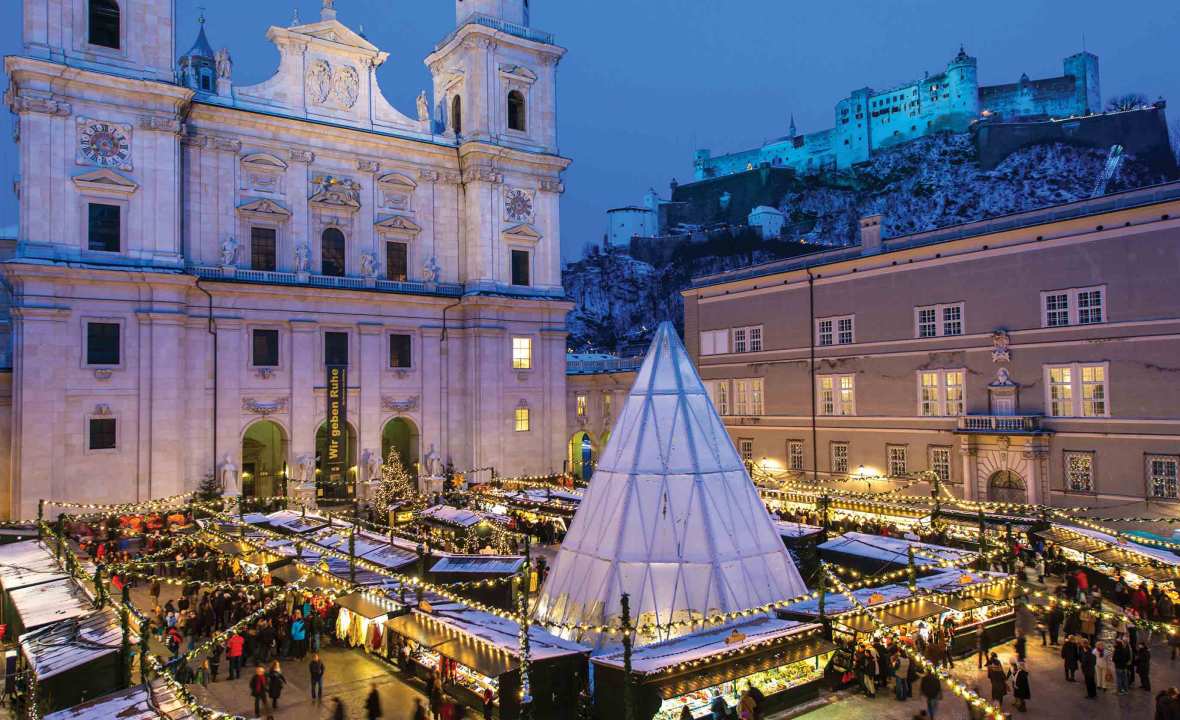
581,403
747,397
265,348
1077,390
400,347
262,249
520,267
938,320
103,226
836,394
1161,475
1074,306
606,403
1079,472
898,455
940,463
756,338
521,419
840,458
746,447
335,348
103,434
397,261
739,340
102,343
747,339
795,455
719,391
714,342
522,353
941,393
835,331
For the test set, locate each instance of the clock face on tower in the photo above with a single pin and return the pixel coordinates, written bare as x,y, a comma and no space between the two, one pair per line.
518,205
104,144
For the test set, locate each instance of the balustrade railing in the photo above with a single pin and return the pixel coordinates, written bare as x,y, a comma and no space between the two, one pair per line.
325,281
1000,423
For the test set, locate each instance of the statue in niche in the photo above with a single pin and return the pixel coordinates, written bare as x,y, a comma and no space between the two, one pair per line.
229,478
423,108
229,251
431,463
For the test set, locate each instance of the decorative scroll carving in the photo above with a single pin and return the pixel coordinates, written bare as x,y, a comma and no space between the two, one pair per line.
259,407
44,106
394,405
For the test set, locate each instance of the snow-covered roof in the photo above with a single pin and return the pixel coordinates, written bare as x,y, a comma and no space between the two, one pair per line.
672,517
50,602
505,634
483,564
27,563
54,649
766,210
1158,554
893,550
836,603
374,548
134,703
795,530
294,522
702,644
453,515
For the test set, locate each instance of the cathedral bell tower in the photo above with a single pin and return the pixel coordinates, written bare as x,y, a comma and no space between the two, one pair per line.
513,11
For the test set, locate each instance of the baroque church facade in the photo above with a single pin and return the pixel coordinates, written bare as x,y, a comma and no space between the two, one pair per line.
279,282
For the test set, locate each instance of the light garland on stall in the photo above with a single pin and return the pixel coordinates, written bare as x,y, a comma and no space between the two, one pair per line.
125,508
1104,614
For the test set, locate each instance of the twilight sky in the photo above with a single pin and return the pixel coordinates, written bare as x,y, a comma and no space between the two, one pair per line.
646,82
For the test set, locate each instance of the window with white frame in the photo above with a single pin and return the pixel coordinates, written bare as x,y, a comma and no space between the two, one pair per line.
1079,472
746,448
840,458
719,392
835,330
1161,475
938,320
747,339
836,394
898,456
747,396
714,342
1073,306
795,455
1077,390
940,462
941,393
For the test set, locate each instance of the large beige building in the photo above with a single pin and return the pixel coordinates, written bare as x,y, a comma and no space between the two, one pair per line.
1030,358
195,258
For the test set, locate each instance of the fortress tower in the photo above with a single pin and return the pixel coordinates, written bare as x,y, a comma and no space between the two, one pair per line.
1084,69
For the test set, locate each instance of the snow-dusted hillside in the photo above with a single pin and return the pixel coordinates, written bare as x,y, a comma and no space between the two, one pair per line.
925,184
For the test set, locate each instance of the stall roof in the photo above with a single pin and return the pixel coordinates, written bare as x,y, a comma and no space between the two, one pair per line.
796,530
505,634
479,564
157,701
294,522
894,550
27,563
453,515
1079,543
50,602
666,655
311,580
54,649
374,548
1127,554
357,603
945,581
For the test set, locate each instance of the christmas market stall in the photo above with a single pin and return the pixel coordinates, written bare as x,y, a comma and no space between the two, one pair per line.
782,658
544,513
47,603
24,564
74,660
156,700
1104,557
295,523
398,555
458,529
360,621
977,602
475,651
487,576
247,560
873,554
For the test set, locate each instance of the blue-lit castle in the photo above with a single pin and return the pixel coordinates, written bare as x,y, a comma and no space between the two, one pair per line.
868,120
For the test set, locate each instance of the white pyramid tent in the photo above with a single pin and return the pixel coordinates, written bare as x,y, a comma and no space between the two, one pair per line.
671,516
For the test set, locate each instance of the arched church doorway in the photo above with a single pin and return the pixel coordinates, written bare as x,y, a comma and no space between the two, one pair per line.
329,491
264,460
1006,486
401,433
581,456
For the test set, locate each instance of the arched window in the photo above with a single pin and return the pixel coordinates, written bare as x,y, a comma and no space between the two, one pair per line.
104,23
332,252
516,111
457,114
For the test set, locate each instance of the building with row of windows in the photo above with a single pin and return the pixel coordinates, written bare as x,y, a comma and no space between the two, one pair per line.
195,258
1028,358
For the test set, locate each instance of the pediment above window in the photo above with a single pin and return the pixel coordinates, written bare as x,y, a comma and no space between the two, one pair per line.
332,194
264,160
105,181
519,72
265,208
397,180
523,233
398,225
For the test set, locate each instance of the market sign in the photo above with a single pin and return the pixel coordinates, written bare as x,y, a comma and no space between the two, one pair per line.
336,453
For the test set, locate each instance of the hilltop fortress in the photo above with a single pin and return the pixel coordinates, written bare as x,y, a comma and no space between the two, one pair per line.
868,120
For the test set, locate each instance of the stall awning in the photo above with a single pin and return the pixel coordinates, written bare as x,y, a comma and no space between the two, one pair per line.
715,674
361,605
898,614
916,609
54,649
963,603
419,628
289,574
1141,565
1073,541
485,658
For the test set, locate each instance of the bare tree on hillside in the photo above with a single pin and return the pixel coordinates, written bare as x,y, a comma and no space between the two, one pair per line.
1126,101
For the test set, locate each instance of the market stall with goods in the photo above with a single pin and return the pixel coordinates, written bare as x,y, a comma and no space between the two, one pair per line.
74,660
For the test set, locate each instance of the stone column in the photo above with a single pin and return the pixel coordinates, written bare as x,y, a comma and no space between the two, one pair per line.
161,339
969,454
370,362
304,366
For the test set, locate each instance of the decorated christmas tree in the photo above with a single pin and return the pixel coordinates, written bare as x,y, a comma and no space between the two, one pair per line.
397,485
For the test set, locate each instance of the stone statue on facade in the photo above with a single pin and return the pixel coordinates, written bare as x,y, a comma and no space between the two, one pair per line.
368,265
431,463
431,270
302,258
305,469
423,108
229,478
372,463
225,64
1000,349
229,252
